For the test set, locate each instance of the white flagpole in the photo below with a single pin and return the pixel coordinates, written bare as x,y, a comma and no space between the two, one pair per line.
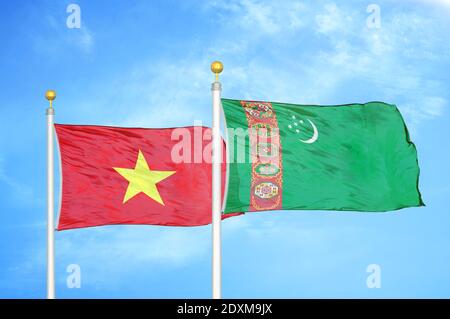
50,95
216,68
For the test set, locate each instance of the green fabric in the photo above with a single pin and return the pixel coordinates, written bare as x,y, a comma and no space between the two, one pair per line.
362,160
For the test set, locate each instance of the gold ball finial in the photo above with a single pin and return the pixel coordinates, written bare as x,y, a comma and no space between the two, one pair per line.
217,68
50,95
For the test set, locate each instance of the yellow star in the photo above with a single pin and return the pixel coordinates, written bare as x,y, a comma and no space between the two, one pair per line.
142,179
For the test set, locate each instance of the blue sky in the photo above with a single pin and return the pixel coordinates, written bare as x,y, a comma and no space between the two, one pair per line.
146,63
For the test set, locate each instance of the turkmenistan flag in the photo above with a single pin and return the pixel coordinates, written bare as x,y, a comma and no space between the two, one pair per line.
355,157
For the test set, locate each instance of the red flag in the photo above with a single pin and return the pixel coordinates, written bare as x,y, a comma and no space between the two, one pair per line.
113,175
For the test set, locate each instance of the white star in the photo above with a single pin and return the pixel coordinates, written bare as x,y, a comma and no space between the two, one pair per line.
295,123
293,117
290,126
301,121
298,131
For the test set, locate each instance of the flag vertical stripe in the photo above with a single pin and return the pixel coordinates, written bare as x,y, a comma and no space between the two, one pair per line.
266,156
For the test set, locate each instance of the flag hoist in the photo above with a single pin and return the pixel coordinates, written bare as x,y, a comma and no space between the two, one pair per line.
216,68
50,95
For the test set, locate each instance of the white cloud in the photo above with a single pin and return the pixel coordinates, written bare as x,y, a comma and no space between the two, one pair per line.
59,38
332,20
434,106
386,58
340,52
175,92
84,39
147,245
424,108
444,3
346,52
19,191
261,17
140,247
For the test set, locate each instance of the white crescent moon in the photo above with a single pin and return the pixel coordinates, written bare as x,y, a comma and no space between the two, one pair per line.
315,134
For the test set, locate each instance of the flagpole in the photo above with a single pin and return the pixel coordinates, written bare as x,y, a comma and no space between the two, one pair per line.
216,88
50,95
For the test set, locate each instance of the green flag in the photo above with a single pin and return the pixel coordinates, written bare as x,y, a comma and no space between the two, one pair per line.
355,157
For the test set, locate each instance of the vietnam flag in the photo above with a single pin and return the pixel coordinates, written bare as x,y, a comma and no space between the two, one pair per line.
113,175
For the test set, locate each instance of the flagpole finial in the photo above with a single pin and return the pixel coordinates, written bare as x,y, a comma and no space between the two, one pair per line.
50,95
217,68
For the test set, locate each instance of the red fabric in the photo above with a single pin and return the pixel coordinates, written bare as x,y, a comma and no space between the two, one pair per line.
93,192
